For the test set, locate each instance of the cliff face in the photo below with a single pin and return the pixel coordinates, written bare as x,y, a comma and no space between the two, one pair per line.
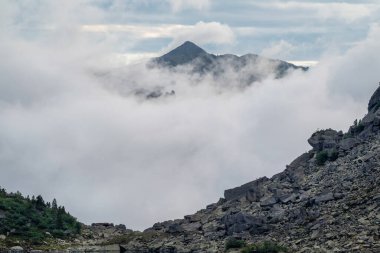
326,200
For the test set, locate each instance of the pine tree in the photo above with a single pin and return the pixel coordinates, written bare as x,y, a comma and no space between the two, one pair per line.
40,203
78,227
59,219
54,205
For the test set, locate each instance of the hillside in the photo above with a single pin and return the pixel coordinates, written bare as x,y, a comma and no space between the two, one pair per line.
30,221
326,200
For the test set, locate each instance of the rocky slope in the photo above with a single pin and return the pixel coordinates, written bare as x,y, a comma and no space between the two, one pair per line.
326,200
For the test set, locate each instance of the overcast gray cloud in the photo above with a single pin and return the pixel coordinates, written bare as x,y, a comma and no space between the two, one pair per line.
109,156
346,12
312,26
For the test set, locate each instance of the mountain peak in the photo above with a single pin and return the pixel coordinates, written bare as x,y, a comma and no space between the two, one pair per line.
188,45
183,54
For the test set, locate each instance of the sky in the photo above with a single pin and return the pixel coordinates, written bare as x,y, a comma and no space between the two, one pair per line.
70,128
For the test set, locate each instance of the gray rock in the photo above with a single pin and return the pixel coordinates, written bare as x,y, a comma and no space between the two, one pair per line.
16,249
239,222
210,227
316,226
253,189
288,198
324,197
276,214
174,228
348,143
102,224
374,100
192,227
325,139
268,201
121,227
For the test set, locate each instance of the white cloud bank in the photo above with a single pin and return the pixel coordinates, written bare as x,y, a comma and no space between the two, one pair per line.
279,50
111,157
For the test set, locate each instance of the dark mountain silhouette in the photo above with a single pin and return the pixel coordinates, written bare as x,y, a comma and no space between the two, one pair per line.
252,66
183,54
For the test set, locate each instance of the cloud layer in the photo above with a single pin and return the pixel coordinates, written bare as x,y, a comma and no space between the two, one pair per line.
111,156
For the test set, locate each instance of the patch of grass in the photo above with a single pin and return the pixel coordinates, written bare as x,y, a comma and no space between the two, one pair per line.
233,243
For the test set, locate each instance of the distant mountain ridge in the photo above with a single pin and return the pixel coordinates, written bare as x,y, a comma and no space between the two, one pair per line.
197,68
202,62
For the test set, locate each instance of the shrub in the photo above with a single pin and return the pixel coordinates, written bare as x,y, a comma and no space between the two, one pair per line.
334,155
265,247
321,158
324,156
233,243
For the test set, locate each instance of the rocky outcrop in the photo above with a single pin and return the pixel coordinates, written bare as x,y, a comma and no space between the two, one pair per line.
309,207
325,139
252,190
374,102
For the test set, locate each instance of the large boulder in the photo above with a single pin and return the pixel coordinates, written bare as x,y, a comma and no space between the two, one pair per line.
16,249
174,228
268,201
252,190
240,222
348,143
325,139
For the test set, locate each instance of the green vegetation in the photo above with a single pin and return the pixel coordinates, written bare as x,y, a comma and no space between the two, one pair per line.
265,247
233,243
355,129
333,156
323,156
32,220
